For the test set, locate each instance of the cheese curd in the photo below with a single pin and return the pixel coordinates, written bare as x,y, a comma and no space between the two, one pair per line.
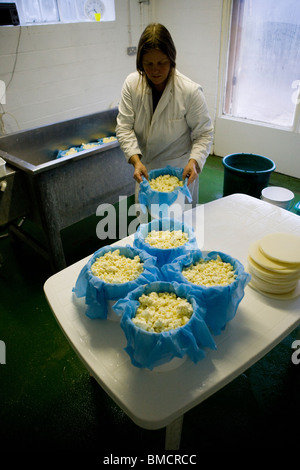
162,311
71,151
117,269
89,146
166,238
210,273
165,183
107,140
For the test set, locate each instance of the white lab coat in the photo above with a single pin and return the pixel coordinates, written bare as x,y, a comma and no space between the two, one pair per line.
180,127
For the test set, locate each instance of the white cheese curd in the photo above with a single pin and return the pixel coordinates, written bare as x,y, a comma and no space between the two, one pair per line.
89,146
210,273
107,140
117,269
71,151
166,238
165,183
162,311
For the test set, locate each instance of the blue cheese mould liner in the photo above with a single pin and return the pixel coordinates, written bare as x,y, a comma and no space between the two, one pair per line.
222,301
97,292
148,196
147,349
165,255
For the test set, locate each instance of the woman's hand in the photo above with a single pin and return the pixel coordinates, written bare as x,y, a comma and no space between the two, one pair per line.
191,171
139,169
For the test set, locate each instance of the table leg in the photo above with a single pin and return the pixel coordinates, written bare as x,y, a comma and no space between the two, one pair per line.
173,434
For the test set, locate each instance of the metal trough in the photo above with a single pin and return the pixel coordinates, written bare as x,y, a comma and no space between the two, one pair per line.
56,193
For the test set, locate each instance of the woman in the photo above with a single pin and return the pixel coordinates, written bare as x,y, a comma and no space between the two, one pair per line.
163,118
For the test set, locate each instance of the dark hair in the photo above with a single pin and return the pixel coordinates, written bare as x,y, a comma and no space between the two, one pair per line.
155,36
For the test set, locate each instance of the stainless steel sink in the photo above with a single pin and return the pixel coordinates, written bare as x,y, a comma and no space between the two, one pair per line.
60,192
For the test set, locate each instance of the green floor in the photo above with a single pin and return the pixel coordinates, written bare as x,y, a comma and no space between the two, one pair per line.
49,402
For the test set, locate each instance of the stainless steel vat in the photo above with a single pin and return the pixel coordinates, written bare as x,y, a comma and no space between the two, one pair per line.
56,193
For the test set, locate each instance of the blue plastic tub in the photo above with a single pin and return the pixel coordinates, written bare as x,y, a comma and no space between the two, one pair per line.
246,173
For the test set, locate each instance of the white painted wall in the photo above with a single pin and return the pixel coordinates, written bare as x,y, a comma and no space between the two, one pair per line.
282,146
68,70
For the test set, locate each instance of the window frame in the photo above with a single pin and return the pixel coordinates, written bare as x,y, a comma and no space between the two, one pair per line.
230,40
238,135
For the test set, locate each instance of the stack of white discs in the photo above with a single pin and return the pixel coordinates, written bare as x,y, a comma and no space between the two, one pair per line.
274,265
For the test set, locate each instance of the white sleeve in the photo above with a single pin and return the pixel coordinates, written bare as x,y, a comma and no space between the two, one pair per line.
201,127
125,123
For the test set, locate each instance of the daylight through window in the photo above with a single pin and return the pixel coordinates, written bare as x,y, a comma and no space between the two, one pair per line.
263,72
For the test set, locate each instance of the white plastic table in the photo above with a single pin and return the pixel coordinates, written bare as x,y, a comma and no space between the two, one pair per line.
155,400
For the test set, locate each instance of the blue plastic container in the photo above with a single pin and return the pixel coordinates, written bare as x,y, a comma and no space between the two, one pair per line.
246,173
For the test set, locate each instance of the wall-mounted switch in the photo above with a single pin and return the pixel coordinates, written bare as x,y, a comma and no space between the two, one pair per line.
2,92
131,50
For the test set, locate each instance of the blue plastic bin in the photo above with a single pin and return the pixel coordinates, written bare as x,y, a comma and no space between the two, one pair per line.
246,173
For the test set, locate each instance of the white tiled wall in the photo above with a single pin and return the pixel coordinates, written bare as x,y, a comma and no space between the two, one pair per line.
68,70
195,26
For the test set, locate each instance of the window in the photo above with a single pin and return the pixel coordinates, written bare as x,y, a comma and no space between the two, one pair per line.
263,72
64,11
